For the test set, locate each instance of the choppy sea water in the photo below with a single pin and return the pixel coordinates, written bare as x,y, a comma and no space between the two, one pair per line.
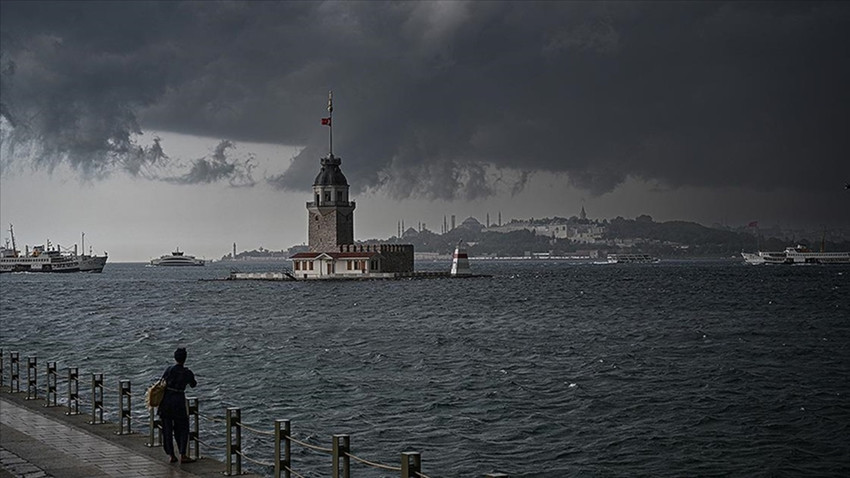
546,369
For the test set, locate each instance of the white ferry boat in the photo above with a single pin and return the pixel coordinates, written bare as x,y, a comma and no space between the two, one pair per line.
40,260
46,259
796,255
631,259
177,258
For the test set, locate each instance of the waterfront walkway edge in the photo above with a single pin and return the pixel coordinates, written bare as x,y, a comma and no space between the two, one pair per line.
43,441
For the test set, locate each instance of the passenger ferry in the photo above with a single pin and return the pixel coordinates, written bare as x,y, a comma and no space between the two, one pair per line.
177,258
799,254
46,259
41,260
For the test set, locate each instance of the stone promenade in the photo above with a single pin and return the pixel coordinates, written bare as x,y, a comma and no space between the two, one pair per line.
38,441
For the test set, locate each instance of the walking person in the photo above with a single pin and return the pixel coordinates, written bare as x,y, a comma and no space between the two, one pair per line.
172,410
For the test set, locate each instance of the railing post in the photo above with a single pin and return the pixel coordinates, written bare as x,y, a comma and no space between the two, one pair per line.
285,464
14,372
340,452
193,407
96,398
52,381
411,464
73,391
234,441
154,426
32,378
124,407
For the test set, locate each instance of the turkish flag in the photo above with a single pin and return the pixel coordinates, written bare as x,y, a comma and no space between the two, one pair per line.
326,121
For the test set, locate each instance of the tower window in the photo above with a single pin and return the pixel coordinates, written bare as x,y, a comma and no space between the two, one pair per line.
328,197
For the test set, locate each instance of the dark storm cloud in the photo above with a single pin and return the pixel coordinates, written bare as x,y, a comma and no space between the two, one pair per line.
433,99
218,167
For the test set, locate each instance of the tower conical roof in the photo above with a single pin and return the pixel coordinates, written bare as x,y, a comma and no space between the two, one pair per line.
330,174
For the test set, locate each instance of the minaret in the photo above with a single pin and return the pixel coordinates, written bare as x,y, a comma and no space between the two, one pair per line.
330,215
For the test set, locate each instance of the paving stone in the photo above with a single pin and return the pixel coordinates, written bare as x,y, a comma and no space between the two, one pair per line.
35,445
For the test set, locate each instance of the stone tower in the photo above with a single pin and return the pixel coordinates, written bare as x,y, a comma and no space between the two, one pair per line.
330,214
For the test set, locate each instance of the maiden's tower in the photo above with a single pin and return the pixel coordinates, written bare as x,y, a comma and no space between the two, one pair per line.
330,230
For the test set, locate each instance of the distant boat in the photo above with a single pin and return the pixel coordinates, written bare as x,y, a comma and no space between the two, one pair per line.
46,259
632,259
40,260
796,255
92,263
177,258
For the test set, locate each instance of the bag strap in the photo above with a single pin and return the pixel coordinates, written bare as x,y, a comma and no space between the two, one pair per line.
167,373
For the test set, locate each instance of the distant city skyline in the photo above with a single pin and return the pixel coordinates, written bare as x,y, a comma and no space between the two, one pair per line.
153,125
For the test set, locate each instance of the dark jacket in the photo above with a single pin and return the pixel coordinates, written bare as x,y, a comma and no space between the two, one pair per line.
177,377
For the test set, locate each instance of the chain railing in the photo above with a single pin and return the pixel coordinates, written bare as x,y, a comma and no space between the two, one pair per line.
234,441
52,381
32,378
340,450
14,372
125,416
73,391
154,428
96,398
193,407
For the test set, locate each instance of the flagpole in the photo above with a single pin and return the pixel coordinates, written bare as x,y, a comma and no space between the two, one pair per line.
330,123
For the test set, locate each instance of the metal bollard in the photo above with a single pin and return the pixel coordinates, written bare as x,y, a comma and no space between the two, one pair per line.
154,425
32,378
411,464
234,446
14,372
341,447
286,464
96,398
73,391
193,407
52,381
124,412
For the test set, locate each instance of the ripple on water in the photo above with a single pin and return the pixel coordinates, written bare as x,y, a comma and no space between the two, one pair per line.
546,369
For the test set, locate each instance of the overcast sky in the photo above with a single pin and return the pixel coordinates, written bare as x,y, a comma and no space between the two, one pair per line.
197,124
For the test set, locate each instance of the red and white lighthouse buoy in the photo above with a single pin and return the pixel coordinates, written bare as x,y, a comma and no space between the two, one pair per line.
460,261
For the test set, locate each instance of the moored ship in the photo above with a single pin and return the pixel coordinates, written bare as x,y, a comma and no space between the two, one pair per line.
177,258
631,259
796,255
46,259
